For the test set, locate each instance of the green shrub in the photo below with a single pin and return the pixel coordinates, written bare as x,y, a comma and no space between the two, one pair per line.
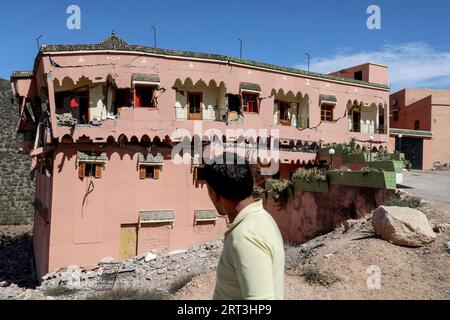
411,202
310,175
59,291
278,190
313,276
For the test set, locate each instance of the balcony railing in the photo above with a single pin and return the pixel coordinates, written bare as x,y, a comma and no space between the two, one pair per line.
381,129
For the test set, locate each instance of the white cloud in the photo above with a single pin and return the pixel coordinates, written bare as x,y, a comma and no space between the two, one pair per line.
411,65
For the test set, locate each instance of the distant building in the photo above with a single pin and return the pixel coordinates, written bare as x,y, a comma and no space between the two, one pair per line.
98,121
422,119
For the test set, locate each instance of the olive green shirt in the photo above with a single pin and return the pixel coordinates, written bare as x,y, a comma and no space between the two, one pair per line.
252,264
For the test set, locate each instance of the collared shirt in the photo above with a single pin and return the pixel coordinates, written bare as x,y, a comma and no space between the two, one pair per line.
252,264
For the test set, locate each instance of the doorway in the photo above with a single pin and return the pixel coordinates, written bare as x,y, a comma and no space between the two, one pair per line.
128,241
356,120
413,150
195,106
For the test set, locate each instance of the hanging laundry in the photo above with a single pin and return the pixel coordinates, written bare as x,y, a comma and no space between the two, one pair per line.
74,103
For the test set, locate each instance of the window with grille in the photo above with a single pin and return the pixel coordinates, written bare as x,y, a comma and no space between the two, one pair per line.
326,113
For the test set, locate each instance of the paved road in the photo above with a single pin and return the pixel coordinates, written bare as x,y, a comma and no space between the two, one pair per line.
430,185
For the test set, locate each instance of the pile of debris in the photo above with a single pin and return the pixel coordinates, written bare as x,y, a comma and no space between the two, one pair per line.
66,119
145,272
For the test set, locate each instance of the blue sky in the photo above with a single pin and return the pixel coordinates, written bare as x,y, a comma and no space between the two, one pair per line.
414,39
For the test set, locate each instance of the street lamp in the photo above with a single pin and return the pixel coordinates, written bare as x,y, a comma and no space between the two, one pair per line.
370,152
400,136
331,152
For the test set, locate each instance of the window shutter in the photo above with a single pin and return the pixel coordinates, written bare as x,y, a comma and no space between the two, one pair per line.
98,171
81,170
142,173
156,173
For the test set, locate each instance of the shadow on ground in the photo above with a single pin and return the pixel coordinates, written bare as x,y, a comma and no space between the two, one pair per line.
17,261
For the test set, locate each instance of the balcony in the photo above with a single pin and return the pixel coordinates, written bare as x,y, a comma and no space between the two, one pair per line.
366,118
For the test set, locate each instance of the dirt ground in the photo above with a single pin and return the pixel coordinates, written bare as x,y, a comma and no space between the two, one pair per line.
406,273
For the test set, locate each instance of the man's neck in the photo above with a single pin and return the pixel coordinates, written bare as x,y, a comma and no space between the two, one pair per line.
238,207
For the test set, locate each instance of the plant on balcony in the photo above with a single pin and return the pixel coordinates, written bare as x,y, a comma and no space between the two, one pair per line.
388,165
366,178
259,193
359,157
310,180
280,191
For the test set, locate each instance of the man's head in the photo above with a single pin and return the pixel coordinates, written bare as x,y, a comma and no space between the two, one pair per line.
230,182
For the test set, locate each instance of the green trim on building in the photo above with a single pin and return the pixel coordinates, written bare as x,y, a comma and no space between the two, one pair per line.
411,133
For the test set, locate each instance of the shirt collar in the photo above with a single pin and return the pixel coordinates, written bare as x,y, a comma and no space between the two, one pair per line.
254,207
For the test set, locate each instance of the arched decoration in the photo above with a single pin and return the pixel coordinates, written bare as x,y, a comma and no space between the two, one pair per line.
67,139
134,140
122,140
145,140
157,140
111,140
212,83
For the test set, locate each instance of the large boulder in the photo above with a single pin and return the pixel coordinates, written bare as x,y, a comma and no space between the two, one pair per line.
403,226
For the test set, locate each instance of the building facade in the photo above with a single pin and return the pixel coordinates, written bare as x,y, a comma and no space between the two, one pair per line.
101,123
419,125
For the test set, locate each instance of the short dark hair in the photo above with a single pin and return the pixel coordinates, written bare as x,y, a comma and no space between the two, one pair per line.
232,180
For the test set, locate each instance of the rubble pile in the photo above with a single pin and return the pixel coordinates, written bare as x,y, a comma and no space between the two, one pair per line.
146,272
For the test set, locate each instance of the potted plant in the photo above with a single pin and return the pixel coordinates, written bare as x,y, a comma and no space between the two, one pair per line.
310,180
366,178
280,191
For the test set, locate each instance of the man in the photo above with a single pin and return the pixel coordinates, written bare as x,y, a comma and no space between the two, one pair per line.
252,263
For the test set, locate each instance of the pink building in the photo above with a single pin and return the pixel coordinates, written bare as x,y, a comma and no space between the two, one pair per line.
98,121
419,125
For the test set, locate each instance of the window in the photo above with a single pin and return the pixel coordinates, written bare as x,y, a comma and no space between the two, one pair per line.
326,113
149,172
88,169
396,116
394,102
284,113
417,125
144,97
250,102
358,75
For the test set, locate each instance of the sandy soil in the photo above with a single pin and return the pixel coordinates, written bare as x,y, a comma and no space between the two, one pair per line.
406,273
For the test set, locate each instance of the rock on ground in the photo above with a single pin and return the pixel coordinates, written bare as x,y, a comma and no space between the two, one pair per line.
403,226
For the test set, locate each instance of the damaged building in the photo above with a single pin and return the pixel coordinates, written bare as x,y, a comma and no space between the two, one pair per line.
98,122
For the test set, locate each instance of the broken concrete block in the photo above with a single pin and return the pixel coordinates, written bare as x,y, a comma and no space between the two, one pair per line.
150,257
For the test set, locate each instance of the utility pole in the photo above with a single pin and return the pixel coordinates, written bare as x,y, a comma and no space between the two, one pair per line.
309,59
241,48
37,42
154,35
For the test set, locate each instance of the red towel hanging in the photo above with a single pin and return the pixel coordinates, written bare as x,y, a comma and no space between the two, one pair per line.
74,103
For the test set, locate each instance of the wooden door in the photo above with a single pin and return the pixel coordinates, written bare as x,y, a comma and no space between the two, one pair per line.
195,106
128,241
